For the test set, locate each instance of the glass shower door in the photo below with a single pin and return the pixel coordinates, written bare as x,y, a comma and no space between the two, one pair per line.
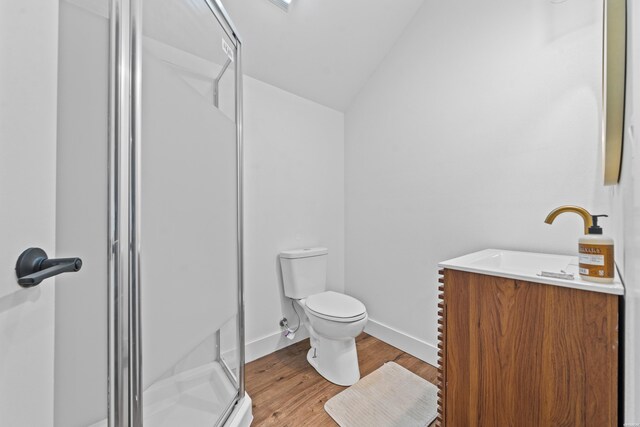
189,267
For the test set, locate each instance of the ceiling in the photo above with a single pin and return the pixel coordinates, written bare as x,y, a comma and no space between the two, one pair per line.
322,50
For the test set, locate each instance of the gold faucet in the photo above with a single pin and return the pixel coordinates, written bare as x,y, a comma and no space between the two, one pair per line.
586,216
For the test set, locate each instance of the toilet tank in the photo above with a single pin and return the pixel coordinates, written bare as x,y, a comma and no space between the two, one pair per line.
304,271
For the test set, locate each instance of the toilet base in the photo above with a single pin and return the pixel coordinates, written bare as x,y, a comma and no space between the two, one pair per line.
335,360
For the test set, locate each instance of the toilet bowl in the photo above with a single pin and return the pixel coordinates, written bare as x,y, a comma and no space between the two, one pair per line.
333,319
332,328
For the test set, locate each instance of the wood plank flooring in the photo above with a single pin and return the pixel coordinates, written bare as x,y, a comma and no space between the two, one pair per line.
287,392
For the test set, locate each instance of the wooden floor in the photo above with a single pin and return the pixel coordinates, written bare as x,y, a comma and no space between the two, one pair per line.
287,392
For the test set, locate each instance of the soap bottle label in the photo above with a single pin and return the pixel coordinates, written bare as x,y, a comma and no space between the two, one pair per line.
596,260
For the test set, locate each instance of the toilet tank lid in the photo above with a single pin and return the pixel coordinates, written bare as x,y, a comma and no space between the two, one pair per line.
304,253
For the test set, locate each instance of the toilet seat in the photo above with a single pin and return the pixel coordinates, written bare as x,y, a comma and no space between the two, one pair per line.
336,307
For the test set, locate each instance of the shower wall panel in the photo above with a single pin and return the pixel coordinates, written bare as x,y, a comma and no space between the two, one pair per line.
189,265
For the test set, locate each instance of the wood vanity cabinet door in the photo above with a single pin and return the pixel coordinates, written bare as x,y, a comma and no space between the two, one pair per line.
523,354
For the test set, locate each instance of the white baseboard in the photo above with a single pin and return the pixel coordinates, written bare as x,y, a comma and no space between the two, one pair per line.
414,346
270,343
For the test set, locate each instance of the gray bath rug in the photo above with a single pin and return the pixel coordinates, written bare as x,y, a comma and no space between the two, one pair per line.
391,396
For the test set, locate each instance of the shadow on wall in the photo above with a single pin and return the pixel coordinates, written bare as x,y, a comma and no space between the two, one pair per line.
19,297
560,18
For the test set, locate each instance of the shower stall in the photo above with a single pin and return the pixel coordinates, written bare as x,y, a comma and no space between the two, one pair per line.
149,194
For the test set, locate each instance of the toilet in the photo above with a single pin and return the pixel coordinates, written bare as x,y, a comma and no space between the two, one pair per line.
333,319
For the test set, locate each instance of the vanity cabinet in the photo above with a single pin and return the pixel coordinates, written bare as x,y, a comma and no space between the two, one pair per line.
519,353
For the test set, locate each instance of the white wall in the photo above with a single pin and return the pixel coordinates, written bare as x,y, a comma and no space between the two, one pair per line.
28,73
294,197
483,118
626,210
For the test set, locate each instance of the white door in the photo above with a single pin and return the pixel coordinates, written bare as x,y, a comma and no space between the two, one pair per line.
54,58
28,82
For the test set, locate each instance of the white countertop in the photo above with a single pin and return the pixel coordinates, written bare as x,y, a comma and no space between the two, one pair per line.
527,265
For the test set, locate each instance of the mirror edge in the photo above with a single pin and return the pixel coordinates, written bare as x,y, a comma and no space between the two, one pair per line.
613,79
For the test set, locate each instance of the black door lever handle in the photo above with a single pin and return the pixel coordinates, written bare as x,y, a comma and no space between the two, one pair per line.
34,266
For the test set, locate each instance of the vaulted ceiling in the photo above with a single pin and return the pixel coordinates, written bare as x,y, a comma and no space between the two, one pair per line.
322,50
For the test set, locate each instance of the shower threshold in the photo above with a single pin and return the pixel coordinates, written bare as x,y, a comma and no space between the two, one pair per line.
203,396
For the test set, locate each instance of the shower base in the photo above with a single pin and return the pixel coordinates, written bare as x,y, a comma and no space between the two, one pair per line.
198,397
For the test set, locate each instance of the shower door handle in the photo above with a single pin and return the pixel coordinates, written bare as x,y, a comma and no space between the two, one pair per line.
34,266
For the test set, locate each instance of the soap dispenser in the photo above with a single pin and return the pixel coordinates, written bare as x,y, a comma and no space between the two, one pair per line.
596,254
596,250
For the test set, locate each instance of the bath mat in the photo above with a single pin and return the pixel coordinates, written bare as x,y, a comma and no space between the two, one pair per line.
391,396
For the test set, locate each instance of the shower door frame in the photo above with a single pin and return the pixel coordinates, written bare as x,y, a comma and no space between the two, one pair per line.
125,403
